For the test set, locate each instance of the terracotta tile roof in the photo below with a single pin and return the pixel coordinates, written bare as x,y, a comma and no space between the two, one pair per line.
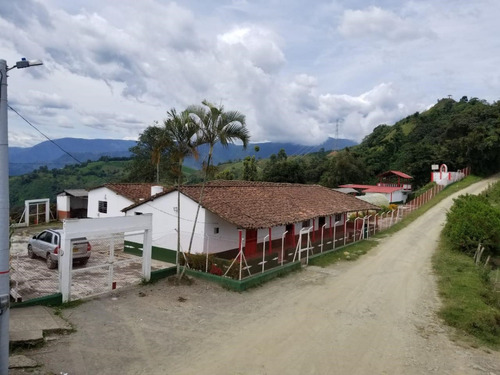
135,192
397,173
252,205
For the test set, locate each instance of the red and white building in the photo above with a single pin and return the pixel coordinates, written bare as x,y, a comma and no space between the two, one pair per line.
442,176
394,185
247,213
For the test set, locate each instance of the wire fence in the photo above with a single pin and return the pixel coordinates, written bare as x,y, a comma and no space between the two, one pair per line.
310,241
110,266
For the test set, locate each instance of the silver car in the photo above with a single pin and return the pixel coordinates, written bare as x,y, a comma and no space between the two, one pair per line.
48,243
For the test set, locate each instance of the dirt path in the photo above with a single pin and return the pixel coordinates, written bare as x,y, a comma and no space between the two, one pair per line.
372,316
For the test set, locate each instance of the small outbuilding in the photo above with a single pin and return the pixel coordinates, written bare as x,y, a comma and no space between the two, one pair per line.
72,203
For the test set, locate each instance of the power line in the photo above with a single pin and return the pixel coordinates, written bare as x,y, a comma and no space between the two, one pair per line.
50,140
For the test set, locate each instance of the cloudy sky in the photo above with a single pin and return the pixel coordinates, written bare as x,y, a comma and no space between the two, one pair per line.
294,68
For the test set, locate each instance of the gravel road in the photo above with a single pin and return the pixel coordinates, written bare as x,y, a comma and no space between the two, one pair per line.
373,316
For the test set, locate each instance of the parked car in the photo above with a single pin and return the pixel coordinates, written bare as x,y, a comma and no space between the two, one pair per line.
48,243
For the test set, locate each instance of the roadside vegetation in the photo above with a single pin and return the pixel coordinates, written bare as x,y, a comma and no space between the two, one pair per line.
468,286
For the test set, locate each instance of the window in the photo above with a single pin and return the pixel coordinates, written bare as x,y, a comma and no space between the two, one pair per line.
216,230
338,217
46,237
321,221
138,213
305,224
103,207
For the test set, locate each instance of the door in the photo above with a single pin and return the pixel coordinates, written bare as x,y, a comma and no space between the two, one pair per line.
290,235
250,242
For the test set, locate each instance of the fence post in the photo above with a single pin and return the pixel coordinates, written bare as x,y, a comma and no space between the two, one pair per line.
264,252
322,230
345,230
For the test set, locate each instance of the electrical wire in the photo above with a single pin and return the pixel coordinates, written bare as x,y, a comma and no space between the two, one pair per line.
38,130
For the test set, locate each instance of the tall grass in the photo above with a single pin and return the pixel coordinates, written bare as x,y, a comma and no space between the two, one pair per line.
469,302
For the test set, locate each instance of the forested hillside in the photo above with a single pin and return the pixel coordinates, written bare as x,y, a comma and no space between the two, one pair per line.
458,133
45,183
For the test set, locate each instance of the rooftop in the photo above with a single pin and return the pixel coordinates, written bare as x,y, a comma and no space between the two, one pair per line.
252,205
134,192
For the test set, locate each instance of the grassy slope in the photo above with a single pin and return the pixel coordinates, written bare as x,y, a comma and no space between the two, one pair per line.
470,302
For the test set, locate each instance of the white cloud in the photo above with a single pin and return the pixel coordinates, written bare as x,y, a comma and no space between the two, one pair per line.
257,45
375,22
112,68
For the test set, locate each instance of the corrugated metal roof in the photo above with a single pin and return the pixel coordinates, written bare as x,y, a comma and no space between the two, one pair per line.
382,189
81,193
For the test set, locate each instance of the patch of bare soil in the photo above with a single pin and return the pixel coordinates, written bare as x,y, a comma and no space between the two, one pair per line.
373,316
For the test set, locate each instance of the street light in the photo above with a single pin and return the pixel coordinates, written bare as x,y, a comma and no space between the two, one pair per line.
4,213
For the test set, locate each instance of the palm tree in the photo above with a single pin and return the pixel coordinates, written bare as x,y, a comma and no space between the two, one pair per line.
182,133
216,126
160,143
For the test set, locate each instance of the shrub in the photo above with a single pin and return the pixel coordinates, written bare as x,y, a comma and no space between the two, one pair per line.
472,220
393,207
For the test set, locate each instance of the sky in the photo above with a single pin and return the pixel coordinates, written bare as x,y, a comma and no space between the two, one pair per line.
300,71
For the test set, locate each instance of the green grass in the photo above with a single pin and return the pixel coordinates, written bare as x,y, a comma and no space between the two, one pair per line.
469,302
348,253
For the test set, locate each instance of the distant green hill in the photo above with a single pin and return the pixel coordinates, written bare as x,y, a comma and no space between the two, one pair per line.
460,134
457,133
45,183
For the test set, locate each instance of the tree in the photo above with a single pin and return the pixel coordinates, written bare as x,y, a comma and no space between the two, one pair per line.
344,168
181,135
280,168
216,126
250,169
150,155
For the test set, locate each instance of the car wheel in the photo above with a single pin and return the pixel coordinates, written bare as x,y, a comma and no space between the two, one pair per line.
31,254
51,264
84,261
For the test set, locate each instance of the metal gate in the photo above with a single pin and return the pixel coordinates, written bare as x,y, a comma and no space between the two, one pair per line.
108,266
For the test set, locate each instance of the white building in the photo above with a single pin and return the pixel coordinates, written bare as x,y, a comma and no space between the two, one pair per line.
110,199
234,213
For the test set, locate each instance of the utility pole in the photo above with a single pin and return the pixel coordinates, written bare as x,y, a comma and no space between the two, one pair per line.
336,143
4,214
4,225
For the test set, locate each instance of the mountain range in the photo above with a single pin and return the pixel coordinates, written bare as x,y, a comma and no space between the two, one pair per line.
64,151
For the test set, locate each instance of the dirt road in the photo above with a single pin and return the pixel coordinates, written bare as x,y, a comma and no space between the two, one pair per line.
373,316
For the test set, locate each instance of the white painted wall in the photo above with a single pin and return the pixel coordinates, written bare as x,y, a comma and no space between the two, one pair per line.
63,203
206,239
446,178
226,239
116,203
165,225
